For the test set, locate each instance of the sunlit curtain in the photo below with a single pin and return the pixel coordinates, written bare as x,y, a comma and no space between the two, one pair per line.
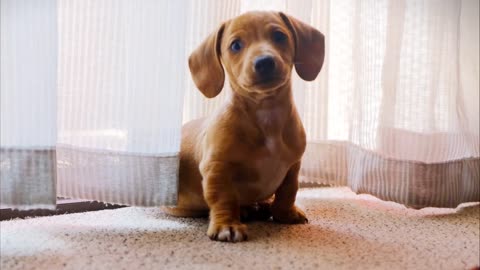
28,123
91,100
93,94
395,109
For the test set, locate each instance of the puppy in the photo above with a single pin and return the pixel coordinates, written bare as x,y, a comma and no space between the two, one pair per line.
249,151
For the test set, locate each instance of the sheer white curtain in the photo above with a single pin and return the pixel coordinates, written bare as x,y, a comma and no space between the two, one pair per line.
92,96
403,93
395,110
28,77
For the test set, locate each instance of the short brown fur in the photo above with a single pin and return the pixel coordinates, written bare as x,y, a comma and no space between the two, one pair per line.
250,150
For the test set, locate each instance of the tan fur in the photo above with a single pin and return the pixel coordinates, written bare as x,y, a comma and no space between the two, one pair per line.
251,148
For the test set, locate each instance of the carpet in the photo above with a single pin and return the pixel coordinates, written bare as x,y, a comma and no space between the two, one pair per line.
345,231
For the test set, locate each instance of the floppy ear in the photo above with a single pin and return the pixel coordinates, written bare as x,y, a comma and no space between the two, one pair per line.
309,47
205,66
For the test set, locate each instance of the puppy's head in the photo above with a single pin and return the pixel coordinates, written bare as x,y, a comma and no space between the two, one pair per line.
258,51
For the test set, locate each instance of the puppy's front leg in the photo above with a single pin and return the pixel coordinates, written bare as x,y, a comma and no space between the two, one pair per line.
222,200
283,207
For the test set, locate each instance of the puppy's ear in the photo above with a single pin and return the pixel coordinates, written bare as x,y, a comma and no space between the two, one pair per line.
309,47
205,65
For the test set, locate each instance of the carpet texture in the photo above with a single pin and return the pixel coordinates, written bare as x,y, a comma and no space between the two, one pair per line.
346,231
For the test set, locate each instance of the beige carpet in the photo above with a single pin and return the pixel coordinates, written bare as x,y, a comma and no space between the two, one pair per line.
346,231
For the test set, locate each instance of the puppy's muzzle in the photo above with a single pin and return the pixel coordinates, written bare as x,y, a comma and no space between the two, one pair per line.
264,66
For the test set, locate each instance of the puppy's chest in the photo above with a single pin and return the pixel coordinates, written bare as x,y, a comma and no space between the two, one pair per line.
271,161
268,167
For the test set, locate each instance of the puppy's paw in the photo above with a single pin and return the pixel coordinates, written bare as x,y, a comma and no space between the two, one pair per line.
291,216
227,232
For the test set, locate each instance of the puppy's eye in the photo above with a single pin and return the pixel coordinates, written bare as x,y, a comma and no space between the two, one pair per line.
279,36
236,46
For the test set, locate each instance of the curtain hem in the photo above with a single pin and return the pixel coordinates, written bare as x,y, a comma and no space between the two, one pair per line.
120,178
28,178
414,184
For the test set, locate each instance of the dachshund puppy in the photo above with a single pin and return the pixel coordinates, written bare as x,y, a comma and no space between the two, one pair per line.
248,151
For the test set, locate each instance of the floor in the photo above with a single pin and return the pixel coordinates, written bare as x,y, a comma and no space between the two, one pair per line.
346,231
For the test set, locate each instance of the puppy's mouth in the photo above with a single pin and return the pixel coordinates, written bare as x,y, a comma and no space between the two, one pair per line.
264,88
267,82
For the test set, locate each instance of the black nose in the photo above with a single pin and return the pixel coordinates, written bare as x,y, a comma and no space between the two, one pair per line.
264,65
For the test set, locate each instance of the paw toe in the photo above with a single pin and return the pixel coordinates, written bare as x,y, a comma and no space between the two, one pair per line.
228,233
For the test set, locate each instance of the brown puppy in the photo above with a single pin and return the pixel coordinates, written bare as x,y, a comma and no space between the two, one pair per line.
251,148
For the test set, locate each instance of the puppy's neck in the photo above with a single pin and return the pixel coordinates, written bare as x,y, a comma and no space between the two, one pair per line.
270,113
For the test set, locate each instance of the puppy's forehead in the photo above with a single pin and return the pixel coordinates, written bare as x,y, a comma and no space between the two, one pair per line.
255,20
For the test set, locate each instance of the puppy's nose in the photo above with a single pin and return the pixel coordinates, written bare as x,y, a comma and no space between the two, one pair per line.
264,65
